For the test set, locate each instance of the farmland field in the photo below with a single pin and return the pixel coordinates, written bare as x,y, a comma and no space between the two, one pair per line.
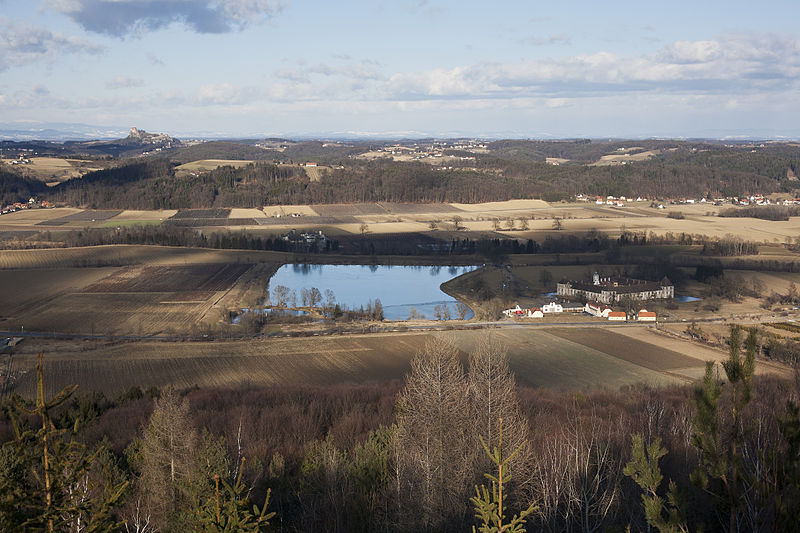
537,357
123,255
55,169
477,219
138,290
204,165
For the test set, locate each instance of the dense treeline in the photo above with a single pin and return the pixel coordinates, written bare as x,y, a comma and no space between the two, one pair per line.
770,212
17,188
512,169
406,457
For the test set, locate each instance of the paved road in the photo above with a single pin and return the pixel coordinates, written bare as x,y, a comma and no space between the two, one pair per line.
386,327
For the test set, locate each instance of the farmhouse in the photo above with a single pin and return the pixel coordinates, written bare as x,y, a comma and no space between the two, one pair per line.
516,311
305,241
613,289
552,307
597,309
646,316
617,315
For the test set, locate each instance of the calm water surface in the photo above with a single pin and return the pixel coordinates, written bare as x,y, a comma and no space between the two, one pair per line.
399,288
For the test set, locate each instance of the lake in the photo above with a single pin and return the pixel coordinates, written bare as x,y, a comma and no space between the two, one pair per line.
399,288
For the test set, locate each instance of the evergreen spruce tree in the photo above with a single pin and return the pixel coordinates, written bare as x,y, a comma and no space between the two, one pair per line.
51,481
721,472
667,516
488,504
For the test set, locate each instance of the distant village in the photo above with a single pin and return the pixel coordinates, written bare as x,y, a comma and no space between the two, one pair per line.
32,203
623,201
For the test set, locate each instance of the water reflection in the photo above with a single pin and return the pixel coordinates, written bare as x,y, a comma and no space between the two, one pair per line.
402,290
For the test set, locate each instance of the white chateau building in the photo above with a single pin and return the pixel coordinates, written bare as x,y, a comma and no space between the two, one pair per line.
612,290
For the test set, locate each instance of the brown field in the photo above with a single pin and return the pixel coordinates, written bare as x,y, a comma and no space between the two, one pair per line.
349,210
137,300
115,314
700,219
197,277
24,289
287,210
537,357
246,213
419,209
620,158
123,255
32,216
204,165
629,349
510,205
135,290
54,170
145,215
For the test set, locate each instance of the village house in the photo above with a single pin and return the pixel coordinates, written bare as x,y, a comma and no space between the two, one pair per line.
516,311
646,316
305,241
611,290
618,315
552,307
597,309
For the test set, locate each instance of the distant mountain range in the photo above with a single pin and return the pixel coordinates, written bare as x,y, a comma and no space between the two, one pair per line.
61,132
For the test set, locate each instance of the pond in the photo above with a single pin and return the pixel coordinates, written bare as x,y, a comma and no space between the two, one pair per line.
685,298
399,288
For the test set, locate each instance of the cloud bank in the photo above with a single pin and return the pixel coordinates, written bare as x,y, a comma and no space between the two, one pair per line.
22,43
730,63
120,18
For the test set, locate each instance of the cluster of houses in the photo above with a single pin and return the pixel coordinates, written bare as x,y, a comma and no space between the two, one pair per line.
305,241
19,206
622,201
596,309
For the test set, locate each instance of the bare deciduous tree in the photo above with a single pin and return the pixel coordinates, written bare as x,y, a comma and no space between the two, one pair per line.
493,395
167,458
433,435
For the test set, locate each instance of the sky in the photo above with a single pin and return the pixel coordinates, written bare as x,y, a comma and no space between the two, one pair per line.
294,68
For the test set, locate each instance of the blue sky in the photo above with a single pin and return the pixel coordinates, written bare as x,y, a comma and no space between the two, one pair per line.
444,68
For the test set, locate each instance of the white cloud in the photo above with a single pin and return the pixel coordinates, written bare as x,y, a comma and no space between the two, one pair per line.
124,17
729,63
22,43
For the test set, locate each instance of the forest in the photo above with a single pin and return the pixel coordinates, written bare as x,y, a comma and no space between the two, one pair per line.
723,455
511,169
